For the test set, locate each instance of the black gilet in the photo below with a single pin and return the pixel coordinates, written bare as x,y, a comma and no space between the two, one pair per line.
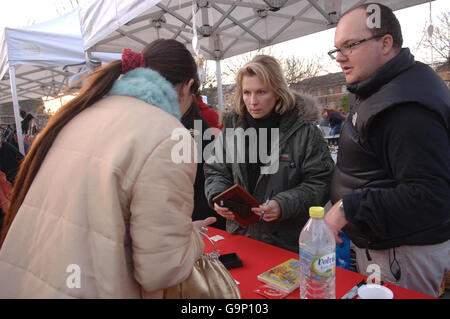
401,80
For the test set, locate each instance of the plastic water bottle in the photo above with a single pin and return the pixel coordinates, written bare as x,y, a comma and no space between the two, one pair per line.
317,258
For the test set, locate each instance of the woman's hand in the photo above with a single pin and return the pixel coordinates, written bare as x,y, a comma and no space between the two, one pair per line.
272,211
224,212
198,224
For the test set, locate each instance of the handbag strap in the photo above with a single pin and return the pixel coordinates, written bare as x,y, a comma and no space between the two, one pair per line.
210,240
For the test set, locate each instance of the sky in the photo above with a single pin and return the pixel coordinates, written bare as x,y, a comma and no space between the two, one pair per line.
17,13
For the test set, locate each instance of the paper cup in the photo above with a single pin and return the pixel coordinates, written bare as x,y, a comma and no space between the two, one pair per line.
374,291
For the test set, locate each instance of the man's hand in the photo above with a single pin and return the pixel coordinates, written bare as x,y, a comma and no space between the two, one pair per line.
272,211
335,219
224,212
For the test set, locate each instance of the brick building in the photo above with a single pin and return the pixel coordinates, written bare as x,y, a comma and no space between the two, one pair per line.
444,72
326,89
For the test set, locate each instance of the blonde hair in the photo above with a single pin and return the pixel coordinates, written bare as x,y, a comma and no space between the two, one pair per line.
268,70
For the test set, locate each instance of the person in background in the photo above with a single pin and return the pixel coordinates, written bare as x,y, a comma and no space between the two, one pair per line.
191,115
14,142
391,184
10,159
335,119
332,119
210,115
29,128
99,208
8,134
264,102
324,125
28,123
341,110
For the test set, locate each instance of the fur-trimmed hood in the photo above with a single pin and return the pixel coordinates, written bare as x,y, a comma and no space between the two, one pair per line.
306,110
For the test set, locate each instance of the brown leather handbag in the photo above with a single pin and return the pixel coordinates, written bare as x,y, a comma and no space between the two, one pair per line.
209,280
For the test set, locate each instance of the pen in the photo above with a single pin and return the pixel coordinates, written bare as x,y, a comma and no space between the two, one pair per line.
265,204
352,292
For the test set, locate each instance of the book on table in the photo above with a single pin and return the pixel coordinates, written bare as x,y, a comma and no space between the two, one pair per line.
240,202
285,276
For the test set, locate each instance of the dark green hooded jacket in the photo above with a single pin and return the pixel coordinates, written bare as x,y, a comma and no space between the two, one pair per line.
302,179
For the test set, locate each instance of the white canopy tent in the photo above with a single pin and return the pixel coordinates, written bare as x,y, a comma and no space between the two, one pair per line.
39,60
225,28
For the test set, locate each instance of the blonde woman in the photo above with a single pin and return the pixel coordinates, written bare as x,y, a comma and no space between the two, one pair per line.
264,104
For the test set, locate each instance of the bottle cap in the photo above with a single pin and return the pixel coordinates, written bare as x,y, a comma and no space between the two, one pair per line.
316,212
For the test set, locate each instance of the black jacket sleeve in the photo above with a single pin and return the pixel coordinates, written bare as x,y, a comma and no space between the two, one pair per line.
10,159
412,143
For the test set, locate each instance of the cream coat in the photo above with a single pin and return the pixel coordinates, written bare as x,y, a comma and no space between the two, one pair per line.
109,204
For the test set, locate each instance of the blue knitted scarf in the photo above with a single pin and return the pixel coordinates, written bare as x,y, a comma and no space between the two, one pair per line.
148,86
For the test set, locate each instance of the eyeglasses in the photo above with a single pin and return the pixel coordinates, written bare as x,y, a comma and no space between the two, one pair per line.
346,49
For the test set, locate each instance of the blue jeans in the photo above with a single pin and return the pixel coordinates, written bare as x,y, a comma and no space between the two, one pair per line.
336,129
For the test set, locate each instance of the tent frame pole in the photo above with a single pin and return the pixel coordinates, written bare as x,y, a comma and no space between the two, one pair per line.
12,79
219,85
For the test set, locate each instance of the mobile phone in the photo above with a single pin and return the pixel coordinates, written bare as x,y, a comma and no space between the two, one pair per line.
231,260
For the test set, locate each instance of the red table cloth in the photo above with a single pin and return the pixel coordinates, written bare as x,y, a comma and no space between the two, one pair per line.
258,257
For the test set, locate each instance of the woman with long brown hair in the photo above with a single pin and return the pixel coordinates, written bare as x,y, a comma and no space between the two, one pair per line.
99,208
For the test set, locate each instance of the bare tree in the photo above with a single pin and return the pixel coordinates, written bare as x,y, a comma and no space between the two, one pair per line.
439,41
297,69
232,65
210,76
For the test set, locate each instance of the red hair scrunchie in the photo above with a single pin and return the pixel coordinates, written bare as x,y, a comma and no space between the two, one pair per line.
131,60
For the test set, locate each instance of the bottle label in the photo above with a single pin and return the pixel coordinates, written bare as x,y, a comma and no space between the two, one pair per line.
324,266
319,267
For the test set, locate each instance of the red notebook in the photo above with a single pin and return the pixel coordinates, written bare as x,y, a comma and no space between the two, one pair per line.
240,202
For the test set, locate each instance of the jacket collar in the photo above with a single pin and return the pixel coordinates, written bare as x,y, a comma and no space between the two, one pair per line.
400,63
148,86
272,121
